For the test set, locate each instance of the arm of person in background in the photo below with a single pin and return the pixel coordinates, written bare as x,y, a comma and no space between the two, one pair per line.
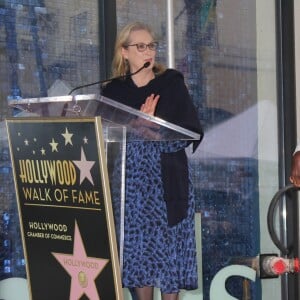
295,168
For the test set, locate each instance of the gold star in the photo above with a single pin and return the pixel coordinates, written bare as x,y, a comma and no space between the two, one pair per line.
53,145
67,137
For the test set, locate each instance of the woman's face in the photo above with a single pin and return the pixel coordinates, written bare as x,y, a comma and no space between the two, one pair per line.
136,58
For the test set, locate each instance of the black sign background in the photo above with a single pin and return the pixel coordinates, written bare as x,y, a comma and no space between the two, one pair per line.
44,200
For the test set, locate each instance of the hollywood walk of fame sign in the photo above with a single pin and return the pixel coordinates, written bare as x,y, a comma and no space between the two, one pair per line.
65,208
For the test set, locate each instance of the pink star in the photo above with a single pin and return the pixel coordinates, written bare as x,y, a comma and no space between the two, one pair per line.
84,167
83,270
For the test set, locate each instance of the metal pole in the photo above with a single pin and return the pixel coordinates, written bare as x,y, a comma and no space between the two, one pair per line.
170,34
287,134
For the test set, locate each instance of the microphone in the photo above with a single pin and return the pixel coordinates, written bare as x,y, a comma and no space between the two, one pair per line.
146,65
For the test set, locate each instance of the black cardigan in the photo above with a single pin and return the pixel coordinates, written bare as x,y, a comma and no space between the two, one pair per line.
174,106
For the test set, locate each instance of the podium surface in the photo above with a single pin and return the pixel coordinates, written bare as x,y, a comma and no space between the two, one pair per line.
111,112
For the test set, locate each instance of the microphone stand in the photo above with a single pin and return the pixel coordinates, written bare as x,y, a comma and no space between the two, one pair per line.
146,65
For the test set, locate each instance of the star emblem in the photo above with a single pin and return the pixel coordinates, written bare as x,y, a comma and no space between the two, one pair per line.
82,269
84,167
53,145
67,137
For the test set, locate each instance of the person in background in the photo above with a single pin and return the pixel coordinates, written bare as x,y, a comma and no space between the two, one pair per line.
159,234
295,169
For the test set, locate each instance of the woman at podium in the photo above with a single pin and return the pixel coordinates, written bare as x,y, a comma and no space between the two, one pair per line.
159,236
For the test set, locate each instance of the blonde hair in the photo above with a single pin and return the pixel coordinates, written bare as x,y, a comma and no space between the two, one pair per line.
120,66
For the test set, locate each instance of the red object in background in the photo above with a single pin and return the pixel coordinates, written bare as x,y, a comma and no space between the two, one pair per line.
274,265
279,266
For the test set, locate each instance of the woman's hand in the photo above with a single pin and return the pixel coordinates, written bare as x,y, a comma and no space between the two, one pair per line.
295,171
150,105
144,127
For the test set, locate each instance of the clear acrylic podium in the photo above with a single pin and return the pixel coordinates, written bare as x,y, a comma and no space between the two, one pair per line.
120,124
111,112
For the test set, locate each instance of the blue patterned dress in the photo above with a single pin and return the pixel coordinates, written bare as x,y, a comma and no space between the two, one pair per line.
155,253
